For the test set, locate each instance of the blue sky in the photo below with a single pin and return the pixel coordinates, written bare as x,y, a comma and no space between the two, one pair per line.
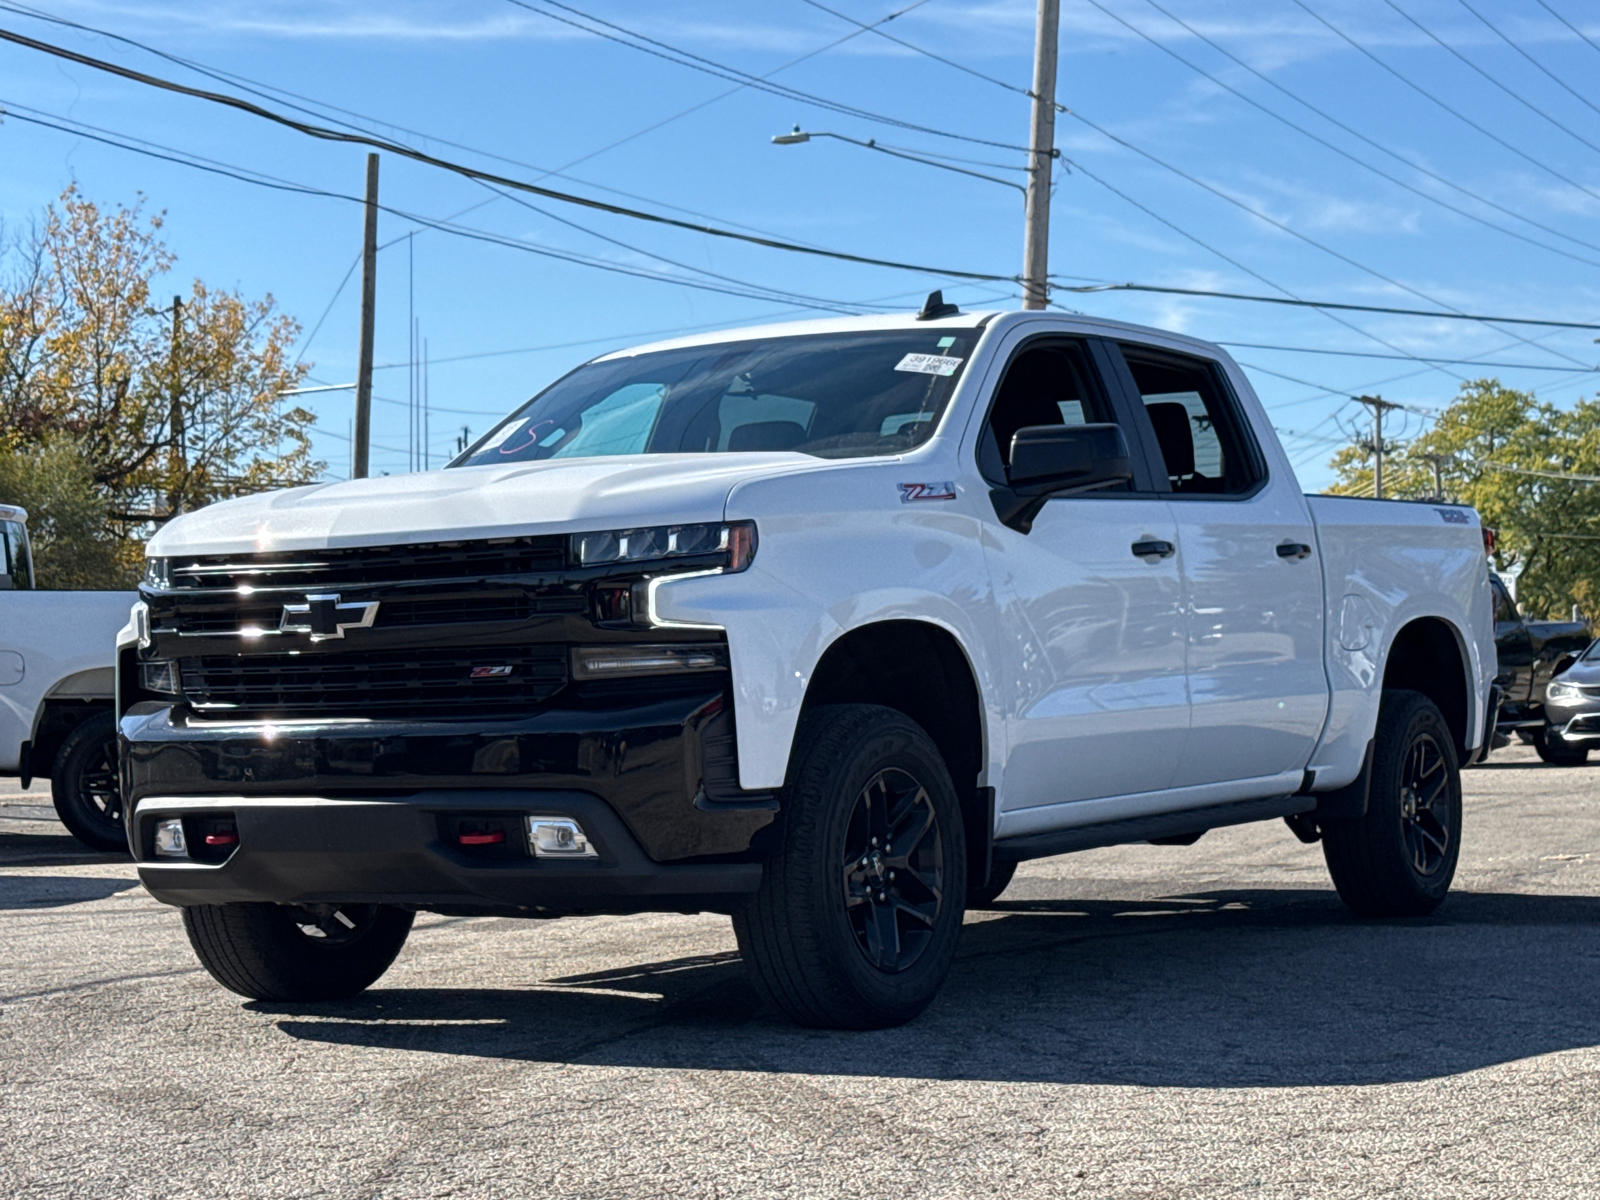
1266,208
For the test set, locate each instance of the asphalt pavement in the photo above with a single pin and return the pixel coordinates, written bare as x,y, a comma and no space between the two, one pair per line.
1136,1022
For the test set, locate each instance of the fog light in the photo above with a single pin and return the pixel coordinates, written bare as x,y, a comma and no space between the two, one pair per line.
602,662
169,838
559,837
160,676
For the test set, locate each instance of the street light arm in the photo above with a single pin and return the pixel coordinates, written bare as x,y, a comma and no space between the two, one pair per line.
799,136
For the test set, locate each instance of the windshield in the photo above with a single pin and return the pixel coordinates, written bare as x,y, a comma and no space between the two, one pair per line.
1592,654
836,395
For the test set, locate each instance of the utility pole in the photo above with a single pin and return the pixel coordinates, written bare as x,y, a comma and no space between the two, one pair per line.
177,461
1042,158
1379,406
369,291
1437,461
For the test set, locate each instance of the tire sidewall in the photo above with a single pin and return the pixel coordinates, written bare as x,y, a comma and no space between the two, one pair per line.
893,742
85,822
1413,716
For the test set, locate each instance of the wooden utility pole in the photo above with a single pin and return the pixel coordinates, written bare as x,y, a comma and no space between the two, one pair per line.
1437,462
1379,406
369,292
177,461
1042,158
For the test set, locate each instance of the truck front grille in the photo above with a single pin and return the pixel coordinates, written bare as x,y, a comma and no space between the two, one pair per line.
372,564
493,681
500,605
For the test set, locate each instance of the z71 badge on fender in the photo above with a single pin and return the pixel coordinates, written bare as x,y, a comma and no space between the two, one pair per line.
926,491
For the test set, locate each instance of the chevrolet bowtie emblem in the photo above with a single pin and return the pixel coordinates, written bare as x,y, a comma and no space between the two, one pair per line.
325,617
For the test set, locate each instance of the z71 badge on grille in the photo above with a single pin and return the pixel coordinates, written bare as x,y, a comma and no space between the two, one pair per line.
926,491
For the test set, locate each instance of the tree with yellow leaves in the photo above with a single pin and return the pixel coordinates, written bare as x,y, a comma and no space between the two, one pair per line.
170,405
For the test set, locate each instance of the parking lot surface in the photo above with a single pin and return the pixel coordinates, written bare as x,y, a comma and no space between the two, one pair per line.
1136,1022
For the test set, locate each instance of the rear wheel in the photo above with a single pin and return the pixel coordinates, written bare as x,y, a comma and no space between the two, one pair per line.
1399,859
296,952
856,920
85,787
1556,751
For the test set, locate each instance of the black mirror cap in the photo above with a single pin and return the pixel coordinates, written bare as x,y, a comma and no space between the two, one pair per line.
1059,460
1060,457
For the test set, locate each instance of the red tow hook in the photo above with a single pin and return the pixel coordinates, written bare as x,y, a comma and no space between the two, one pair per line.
483,839
222,839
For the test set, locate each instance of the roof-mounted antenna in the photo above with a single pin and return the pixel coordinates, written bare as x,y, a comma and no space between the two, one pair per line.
934,307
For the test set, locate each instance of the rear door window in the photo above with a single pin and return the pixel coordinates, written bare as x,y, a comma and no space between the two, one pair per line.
1202,436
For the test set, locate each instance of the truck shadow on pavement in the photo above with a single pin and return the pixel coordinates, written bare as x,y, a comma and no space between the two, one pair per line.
1248,988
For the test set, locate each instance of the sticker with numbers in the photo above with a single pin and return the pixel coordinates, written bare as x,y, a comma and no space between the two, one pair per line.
928,364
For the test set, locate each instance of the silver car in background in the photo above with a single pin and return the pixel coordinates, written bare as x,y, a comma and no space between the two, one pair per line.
1572,710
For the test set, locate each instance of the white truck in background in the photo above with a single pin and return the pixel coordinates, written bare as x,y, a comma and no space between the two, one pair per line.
826,626
57,682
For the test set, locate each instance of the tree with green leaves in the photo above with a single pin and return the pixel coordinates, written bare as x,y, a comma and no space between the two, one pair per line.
1521,463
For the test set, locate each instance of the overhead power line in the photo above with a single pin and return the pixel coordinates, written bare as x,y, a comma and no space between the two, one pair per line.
182,158
1567,23
1370,308
1560,82
695,62
1341,151
1413,358
1527,104
1454,112
949,62
399,149
1292,232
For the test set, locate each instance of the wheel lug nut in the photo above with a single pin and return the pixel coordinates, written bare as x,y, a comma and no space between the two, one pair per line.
891,876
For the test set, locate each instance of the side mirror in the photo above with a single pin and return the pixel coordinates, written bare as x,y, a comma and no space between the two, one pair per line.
1059,460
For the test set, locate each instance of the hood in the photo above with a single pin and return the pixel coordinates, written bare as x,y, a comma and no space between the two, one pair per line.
1585,671
554,496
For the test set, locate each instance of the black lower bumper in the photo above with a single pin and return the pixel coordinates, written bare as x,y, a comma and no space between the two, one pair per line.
399,850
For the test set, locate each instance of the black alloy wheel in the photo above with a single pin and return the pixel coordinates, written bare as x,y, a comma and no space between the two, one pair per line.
893,870
1425,814
1399,858
86,785
859,910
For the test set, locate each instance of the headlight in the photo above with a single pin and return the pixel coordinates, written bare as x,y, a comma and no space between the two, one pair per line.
1563,691
735,541
158,573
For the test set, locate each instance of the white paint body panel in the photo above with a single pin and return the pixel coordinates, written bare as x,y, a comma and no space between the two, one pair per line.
53,644
1110,687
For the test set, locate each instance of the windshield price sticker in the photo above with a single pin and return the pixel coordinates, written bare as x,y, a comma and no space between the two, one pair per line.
928,364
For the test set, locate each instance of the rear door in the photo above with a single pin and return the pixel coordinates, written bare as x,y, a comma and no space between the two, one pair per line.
1247,552
1093,631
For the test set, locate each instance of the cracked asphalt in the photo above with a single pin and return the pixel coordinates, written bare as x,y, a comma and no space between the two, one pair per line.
1136,1022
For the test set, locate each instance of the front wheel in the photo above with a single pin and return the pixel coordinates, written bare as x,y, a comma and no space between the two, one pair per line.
1399,859
85,787
296,952
856,920
1556,751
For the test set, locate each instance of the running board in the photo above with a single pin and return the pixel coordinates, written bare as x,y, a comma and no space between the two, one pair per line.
1172,825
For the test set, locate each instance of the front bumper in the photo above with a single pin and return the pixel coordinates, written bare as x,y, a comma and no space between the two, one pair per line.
397,850
358,811
1576,721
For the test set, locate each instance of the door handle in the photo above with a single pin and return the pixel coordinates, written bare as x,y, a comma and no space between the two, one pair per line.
1294,551
1154,549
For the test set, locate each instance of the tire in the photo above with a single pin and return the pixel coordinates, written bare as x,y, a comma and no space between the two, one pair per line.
1399,859
845,933
1000,875
86,787
1558,753
285,952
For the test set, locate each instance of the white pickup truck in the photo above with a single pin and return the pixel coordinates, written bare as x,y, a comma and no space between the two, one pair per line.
826,626
56,677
